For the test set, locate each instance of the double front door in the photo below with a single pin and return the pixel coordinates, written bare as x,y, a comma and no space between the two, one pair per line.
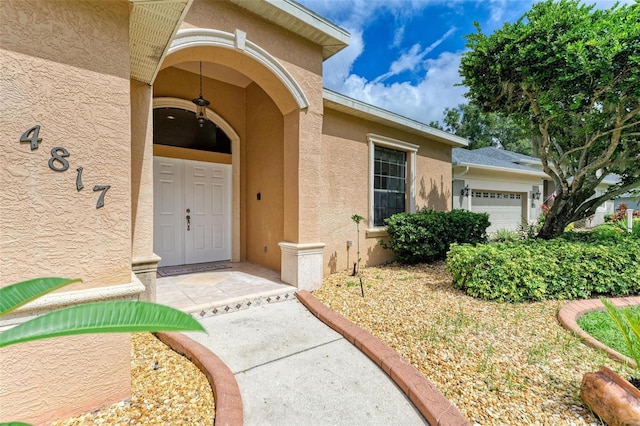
192,211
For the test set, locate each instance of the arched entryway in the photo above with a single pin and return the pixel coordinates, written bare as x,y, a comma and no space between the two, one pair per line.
196,175
254,100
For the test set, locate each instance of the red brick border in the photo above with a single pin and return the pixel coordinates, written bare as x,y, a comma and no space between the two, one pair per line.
420,391
569,314
223,383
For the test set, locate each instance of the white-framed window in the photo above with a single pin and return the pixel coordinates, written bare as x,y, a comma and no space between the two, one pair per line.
392,165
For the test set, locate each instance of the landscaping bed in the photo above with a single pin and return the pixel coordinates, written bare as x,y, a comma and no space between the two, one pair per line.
499,363
173,391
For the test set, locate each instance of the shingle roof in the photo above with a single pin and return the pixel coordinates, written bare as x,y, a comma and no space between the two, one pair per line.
494,157
499,158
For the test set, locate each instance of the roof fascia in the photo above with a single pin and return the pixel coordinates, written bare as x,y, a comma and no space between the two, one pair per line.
353,107
300,20
502,169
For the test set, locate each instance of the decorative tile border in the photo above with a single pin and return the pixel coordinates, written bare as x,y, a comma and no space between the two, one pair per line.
235,306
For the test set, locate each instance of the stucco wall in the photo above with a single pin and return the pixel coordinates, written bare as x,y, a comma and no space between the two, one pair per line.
345,186
264,175
297,54
141,169
65,67
63,377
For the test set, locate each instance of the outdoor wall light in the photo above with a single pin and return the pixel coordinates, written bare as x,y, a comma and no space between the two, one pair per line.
201,104
464,192
536,195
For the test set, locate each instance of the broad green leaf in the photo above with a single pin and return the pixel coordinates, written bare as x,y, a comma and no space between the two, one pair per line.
15,424
15,295
101,317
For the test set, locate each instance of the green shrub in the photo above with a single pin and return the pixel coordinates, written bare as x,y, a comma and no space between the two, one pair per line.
555,269
504,236
426,236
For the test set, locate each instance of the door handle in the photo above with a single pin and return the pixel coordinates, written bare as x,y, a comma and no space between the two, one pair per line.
188,223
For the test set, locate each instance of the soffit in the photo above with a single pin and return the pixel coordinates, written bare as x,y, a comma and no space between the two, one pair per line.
372,113
217,72
152,25
300,20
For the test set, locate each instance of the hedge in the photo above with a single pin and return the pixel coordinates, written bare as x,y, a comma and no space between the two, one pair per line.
533,270
425,236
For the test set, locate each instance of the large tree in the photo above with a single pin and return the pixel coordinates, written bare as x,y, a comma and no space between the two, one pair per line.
485,129
571,73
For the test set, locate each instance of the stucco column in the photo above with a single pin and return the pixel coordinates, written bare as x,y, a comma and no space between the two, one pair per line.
302,251
144,262
291,167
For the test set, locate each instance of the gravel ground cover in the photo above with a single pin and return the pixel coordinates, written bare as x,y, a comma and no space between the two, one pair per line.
167,389
500,364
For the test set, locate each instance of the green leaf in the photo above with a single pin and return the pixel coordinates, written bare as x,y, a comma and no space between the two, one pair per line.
15,295
15,424
101,317
624,327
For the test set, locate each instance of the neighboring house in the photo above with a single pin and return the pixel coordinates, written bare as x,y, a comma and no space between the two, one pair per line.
510,187
107,172
631,201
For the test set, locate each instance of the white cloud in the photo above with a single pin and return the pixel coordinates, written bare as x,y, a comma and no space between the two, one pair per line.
410,60
424,101
496,10
336,69
398,36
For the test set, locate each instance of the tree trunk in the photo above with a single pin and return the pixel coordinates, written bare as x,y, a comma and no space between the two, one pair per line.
556,222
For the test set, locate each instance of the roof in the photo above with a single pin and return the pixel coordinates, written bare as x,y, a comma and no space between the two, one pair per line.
296,18
152,25
498,159
353,107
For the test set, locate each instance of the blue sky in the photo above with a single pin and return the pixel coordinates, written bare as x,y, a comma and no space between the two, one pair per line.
404,55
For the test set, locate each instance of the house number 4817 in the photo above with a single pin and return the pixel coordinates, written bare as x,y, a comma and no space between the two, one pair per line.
58,161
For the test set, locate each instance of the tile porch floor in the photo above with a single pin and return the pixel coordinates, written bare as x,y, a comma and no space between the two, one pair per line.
212,293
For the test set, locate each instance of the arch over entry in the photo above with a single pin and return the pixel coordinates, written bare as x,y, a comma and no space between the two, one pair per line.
203,37
168,102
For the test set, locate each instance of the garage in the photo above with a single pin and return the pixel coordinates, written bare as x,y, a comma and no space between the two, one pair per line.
505,209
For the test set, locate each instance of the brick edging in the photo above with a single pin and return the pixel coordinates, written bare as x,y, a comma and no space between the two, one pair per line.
228,401
420,391
569,314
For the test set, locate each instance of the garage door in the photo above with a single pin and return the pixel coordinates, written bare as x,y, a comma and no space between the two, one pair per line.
504,208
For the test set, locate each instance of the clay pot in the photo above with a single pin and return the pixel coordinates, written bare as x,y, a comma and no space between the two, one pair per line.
611,397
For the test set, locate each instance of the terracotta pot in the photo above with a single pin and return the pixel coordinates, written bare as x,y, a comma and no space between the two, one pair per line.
611,397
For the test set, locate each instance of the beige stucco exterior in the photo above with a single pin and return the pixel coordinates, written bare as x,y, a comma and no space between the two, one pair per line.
300,166
346,177
65,67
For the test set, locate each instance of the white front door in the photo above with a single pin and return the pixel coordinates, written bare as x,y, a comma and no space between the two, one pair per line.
192,211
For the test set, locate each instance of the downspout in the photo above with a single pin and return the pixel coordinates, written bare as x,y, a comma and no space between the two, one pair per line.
466,170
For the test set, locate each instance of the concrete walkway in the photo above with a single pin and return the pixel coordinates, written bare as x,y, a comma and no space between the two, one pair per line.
294,370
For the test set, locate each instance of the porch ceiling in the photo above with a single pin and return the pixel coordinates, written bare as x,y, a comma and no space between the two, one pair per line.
152,25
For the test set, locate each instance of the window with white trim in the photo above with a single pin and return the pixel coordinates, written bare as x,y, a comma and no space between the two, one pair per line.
392,178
